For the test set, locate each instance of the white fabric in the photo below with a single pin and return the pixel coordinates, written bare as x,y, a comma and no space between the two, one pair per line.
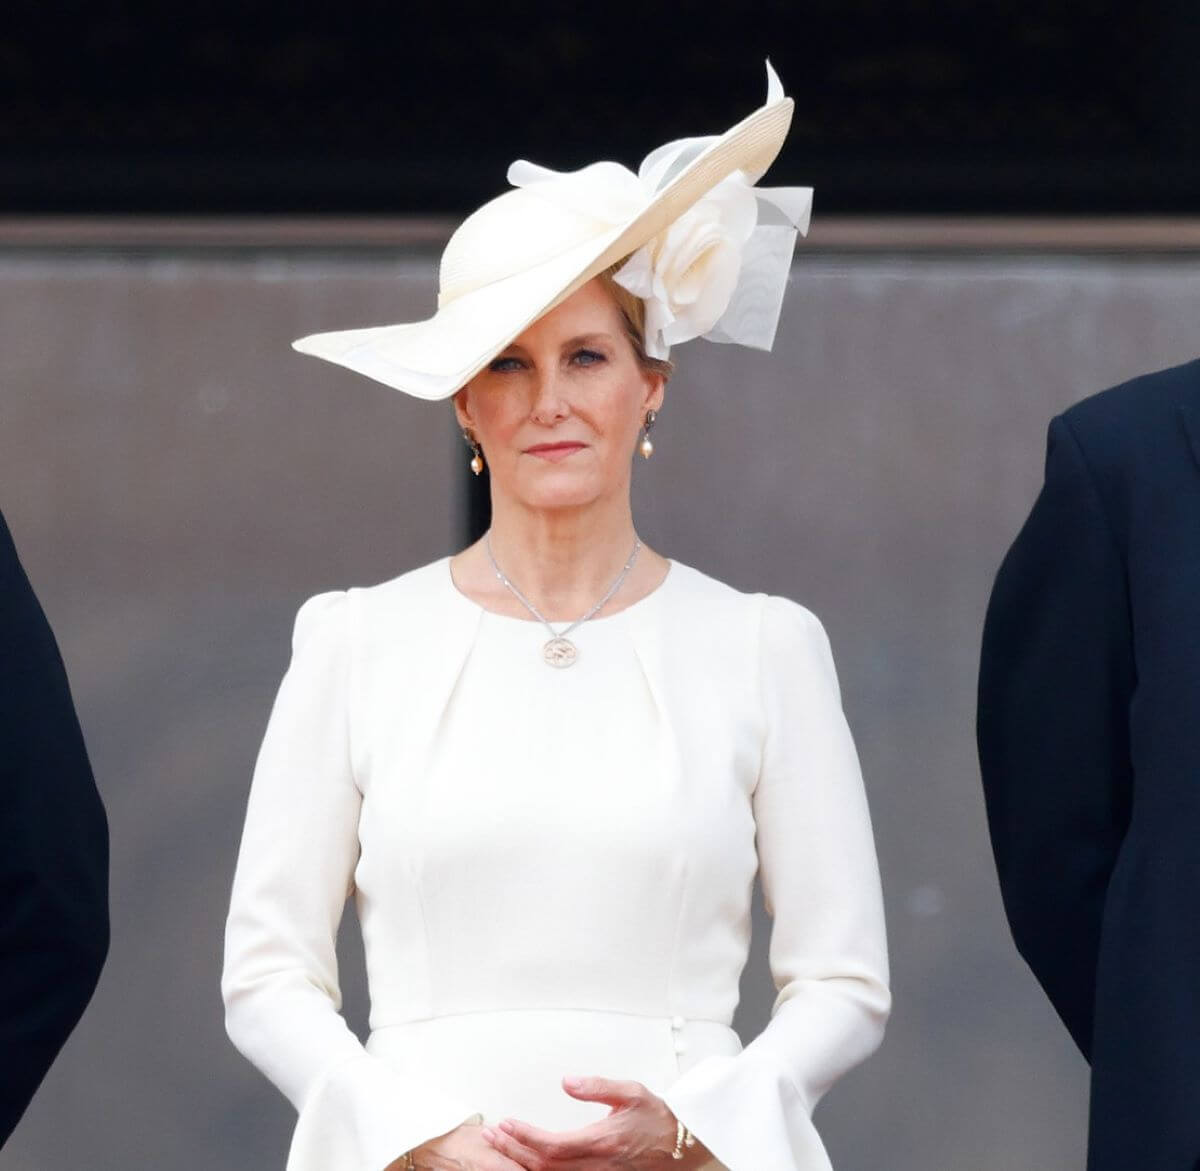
553,870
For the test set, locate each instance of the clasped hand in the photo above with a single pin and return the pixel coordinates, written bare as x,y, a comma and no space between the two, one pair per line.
638,1134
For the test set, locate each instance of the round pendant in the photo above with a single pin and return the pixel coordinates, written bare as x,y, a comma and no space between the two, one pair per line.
559,652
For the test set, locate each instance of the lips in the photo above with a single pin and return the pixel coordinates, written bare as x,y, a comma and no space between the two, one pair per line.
550,450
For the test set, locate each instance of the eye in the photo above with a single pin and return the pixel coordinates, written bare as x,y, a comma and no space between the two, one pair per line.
587,357
500,365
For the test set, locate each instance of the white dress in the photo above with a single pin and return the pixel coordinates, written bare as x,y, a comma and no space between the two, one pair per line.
553,870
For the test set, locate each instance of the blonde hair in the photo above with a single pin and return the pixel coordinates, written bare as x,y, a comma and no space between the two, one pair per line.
633,314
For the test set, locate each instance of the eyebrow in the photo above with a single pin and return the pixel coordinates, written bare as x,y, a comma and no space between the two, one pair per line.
578,340
583,338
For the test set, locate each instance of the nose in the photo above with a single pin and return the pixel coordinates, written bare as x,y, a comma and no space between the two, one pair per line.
550,404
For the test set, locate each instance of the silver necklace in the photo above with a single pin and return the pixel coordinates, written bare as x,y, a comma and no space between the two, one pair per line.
559,650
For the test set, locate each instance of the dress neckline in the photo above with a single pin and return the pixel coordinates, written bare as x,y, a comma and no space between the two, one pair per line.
643,601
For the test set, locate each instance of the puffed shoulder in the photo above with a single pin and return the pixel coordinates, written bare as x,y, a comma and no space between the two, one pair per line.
793,640
326,612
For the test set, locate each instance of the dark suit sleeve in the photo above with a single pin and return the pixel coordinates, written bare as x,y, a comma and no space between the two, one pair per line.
54,927
1056,677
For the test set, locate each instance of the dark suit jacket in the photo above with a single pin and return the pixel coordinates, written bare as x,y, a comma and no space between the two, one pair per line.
1089,743
53,849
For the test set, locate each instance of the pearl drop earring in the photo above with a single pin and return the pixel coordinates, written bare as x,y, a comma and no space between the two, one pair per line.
476,452
646,447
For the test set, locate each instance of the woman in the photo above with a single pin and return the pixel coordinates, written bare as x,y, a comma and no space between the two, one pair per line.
551,833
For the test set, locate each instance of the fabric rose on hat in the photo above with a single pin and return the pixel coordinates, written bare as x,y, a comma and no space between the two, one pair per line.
688,273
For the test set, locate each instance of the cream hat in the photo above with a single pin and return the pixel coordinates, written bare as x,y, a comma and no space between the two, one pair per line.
708,251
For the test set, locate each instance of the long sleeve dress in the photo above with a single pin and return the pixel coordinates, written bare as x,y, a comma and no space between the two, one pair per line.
553,870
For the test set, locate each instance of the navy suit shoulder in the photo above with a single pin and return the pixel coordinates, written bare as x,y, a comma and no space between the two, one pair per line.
54,927
1137,400
1123,425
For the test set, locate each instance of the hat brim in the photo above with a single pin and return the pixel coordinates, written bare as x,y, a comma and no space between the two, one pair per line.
432,359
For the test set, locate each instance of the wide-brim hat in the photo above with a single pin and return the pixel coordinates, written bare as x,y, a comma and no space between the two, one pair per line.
526,251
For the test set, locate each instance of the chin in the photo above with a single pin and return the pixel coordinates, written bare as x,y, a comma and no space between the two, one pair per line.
550,501
561,491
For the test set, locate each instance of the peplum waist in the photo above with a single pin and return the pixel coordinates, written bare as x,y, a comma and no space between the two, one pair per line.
511,1062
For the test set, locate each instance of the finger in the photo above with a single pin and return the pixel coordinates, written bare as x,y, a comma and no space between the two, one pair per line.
593,1140
603,1089
513,1150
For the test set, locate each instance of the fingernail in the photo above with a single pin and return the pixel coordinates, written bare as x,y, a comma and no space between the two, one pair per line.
506,1126
573,1082
489,1133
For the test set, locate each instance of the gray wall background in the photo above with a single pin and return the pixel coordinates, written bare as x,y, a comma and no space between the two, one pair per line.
178,481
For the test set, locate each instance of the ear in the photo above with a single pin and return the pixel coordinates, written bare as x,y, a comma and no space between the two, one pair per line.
656,388
462,408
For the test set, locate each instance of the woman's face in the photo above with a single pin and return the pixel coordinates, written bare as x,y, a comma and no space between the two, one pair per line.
559,411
